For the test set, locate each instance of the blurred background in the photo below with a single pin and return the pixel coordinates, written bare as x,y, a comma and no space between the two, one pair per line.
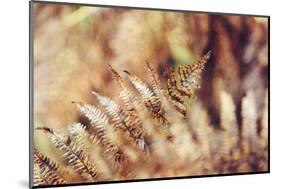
73,44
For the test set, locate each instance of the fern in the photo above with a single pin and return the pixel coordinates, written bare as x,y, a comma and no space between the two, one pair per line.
175,95
191,74
126,94
127,121
73,154
46,171
99,127
151,101
79,135
156,85
188,82
133,136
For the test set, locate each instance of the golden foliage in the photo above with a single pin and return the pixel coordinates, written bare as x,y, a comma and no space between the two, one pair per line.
148,124
140,140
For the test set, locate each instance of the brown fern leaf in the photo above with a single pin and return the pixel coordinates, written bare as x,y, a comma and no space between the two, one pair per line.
175,94
128,121
199,65
79,134
156,84
95,115
131,105
125,95
176,99
73,154
38,179
133,123
183,88
151,101
170,74
100,124
189,77
116,76
46,172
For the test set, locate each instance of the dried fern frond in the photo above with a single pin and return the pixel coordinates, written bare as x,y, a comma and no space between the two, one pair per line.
174,93
127,121
46,171
134,111
128,118
73,154
100,124
151,101
116,76
171,77
113,109
188,81
125,95
156,84
133,124
95,115
38,179
184,87
192,73
83,139
79,134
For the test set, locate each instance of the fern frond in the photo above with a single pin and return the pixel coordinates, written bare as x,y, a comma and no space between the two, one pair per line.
184,87
73,154
82,137
171,77
79,134
175,94
128,121
112,108
198,66
99,122
125,95
129,117
156,84
188,81
192,73
95,115
100,126
151,101
129,100
46,172
38,179
148,96
116,76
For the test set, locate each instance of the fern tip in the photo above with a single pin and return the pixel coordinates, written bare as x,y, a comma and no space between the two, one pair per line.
45,129
127,72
